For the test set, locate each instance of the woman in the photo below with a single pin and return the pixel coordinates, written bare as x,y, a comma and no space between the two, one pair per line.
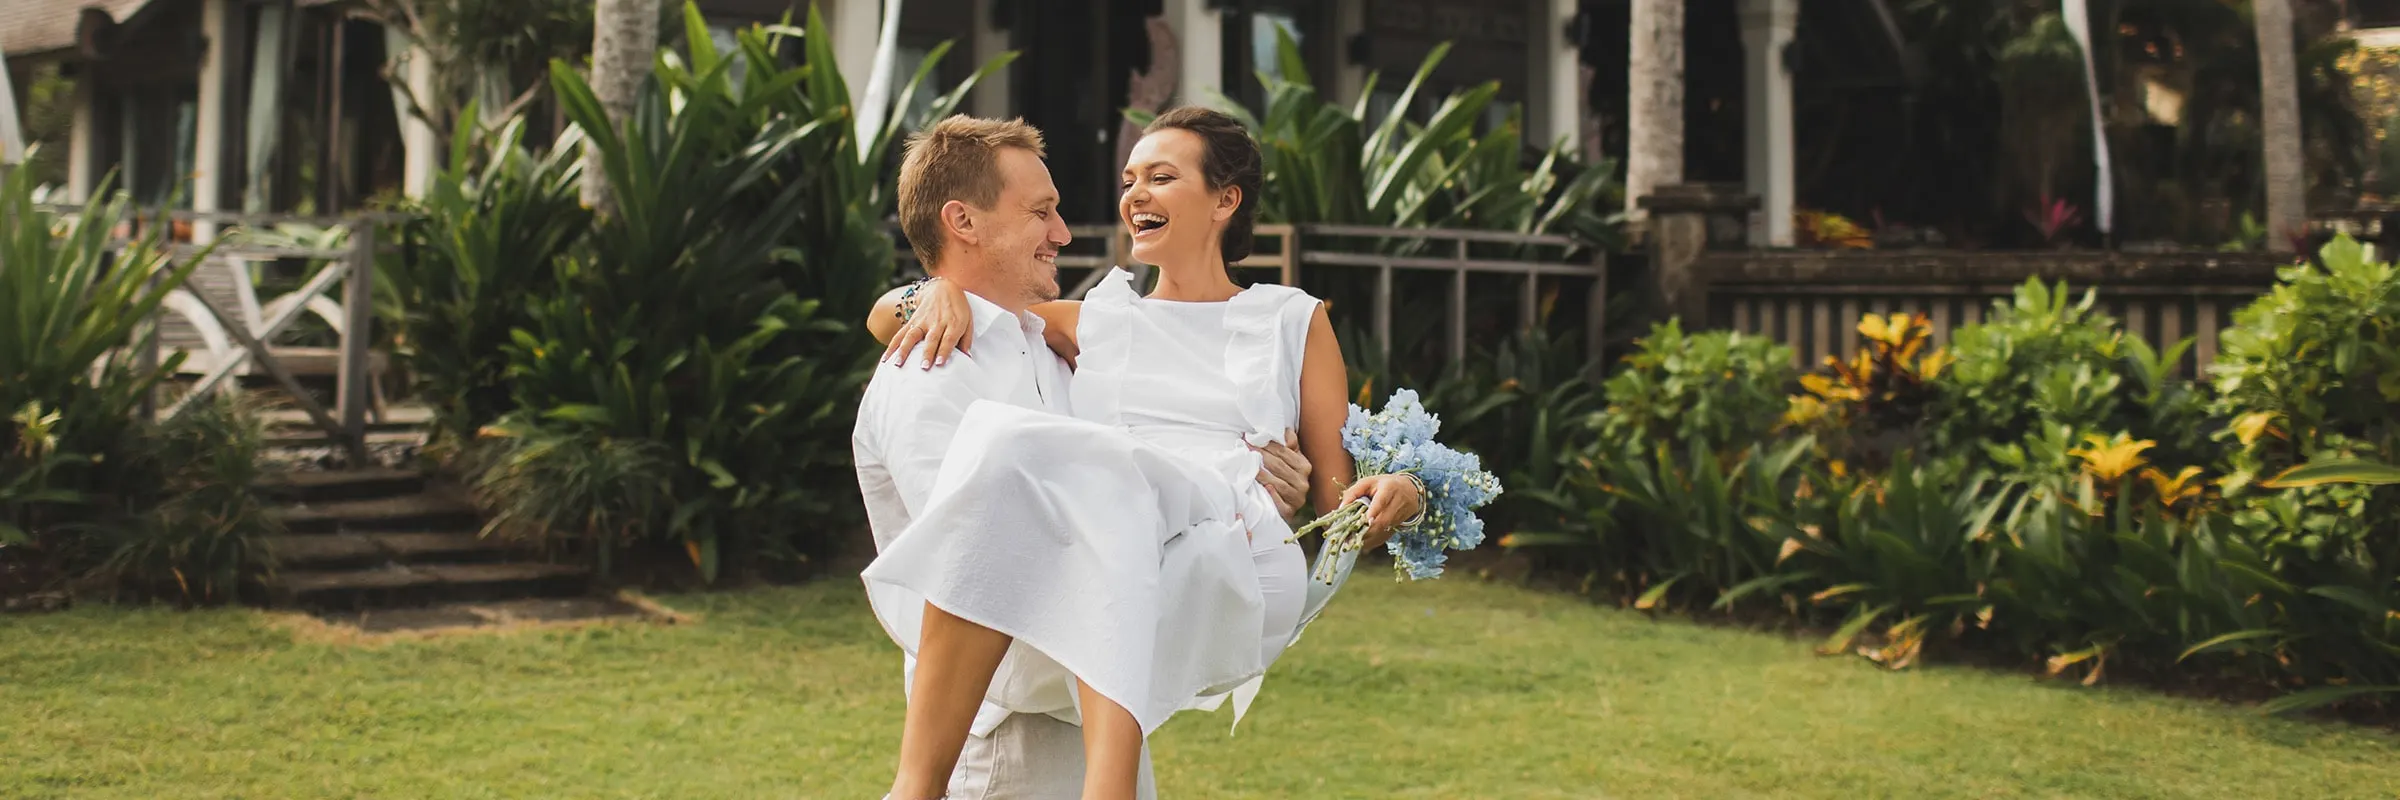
1183,588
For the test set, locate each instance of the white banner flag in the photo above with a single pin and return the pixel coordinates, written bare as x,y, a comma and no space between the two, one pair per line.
2079,25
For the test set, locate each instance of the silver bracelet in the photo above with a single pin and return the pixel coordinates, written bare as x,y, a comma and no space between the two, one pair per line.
1424,501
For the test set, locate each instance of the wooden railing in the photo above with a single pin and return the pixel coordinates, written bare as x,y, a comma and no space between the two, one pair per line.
1812,301
228,341
1289,250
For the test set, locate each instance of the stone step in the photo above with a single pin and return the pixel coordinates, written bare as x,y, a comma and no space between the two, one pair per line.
424,511
325,551
417,585
484,614
348,484
311,438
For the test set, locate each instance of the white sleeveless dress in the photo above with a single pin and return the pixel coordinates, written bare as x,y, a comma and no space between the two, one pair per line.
1130,546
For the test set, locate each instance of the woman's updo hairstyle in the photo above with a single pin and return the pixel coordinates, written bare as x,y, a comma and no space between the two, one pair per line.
1228,158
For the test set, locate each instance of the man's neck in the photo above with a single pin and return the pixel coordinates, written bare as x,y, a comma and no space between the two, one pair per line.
982,287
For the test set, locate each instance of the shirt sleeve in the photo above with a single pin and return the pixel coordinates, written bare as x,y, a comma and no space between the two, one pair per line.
919,419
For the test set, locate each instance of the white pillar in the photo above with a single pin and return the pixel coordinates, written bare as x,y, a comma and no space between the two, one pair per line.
1349,79
855,24
992,99
209,168
420,154
83,142
1767,27
1554,106
1201,34
1654,113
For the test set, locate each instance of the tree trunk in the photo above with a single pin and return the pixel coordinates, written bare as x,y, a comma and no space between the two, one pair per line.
2279,125
624,41
1654,122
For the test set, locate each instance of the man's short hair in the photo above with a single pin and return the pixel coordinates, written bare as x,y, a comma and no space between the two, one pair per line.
955,159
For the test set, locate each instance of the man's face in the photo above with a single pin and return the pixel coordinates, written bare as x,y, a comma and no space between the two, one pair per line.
1022,232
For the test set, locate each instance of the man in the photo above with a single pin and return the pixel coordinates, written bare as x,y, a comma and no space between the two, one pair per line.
979,209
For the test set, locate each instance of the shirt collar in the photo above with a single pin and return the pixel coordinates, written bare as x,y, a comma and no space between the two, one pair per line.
987,313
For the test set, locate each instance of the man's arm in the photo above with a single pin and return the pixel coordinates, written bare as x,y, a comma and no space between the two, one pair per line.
916,422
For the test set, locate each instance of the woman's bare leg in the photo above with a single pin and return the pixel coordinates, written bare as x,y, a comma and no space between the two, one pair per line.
1112,747
955,662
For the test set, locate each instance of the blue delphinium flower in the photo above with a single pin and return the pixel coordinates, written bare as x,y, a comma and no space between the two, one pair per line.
1400,439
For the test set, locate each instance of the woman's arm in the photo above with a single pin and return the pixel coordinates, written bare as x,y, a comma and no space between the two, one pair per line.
1059,318
1324,408
945,322
883,319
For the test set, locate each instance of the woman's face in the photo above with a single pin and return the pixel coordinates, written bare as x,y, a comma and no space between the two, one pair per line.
1167,205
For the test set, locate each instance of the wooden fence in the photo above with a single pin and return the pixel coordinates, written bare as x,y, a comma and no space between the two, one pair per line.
1290,250
218,321
1812,301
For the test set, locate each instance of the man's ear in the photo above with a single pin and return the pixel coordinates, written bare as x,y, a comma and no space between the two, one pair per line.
1228,201
960,220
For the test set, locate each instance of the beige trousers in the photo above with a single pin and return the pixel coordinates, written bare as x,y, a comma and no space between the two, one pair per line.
1030,757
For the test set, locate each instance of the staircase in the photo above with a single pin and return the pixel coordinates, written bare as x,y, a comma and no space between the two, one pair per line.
384,549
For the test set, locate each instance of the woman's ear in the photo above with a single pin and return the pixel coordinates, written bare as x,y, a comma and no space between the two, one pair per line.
1228,201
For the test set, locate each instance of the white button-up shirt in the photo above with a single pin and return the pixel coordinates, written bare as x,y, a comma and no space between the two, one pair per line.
909,414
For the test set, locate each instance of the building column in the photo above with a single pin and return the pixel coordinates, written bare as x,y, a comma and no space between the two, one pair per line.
1767,27
1200,36
419,146
992,98
1555,105
1349,76
1654,111
209,129
855,24
83,142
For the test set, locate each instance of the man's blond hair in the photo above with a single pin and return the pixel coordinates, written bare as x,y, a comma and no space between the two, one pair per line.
955,159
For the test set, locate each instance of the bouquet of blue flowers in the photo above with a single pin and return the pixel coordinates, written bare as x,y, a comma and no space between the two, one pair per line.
1399,439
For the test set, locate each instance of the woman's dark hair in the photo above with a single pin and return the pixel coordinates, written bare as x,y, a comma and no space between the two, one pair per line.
1228,158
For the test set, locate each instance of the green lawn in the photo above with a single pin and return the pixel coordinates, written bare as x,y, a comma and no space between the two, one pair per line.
1454,689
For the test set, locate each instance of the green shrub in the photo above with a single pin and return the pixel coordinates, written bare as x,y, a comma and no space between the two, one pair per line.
2312,370
69,376
196,525
2047,359
677,343
572,490
494,222
1720,389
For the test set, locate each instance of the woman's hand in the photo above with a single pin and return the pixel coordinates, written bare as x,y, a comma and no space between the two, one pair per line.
944,322
1391,500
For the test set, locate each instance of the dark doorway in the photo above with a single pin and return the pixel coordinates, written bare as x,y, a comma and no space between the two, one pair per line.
1075,58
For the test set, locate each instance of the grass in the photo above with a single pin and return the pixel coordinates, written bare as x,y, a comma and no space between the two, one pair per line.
1455,689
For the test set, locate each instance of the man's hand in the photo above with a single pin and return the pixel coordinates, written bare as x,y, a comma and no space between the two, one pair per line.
1285,474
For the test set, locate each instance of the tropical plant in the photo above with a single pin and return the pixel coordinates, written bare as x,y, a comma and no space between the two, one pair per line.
1858,407
493,223
684,325
1330,164
69,374
1722,389
573,490
199,526
2046,359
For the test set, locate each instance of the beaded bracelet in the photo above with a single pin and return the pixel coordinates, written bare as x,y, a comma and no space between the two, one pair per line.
908,299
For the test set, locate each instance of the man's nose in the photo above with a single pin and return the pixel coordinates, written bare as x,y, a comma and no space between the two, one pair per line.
1059,235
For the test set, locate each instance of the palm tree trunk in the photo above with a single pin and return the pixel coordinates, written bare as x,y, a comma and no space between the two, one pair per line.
2279,124
624,40
1654,120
